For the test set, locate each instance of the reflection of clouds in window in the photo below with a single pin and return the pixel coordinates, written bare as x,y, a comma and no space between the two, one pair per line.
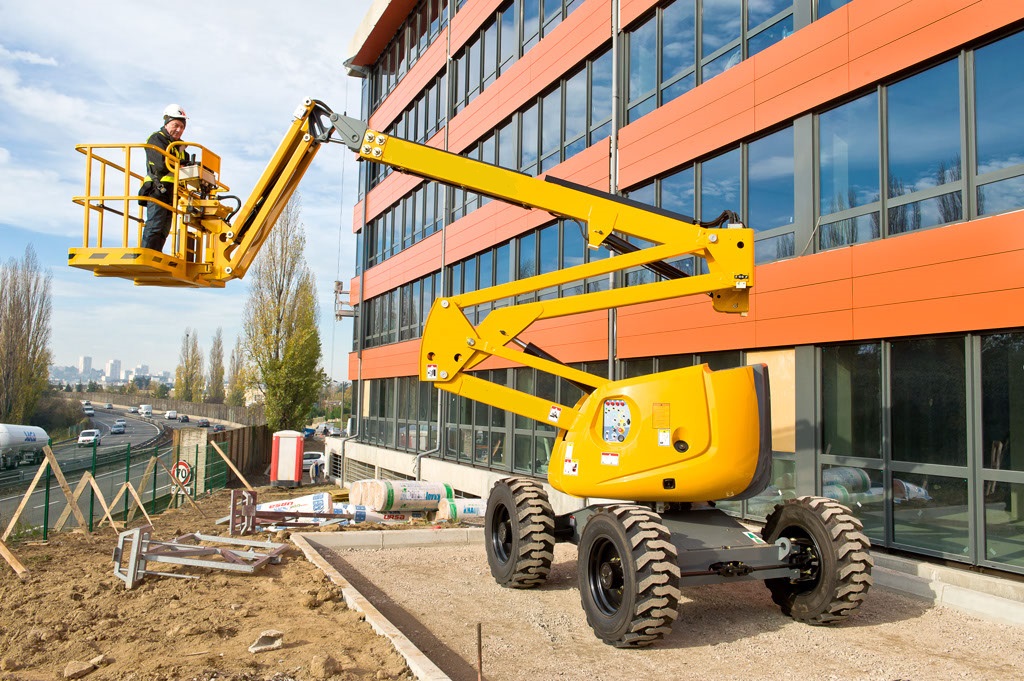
992,164
771,168
759,11
679,38
999,99
999,197
848,147
721,24
576,106
642,58
720,185
924,129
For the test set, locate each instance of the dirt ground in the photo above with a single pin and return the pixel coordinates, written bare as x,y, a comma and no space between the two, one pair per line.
71,608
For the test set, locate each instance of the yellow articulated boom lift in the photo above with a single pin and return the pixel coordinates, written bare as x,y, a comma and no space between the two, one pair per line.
658,450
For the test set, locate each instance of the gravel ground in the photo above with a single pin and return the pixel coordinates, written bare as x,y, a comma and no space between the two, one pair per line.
436,596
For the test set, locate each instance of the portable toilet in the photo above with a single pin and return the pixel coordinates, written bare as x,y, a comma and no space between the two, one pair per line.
286,459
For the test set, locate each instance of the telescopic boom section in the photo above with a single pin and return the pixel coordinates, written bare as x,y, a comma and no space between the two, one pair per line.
452,345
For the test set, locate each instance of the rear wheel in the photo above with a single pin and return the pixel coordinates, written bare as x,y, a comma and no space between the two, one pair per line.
831,552
519,530
628,577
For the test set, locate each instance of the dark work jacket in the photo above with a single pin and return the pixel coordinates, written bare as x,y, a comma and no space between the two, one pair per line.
156,164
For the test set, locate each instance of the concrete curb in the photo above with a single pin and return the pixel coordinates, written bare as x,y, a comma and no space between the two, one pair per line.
420,665
988,598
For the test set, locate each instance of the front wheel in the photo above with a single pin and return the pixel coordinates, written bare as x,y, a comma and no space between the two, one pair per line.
628,576
519,531
831,552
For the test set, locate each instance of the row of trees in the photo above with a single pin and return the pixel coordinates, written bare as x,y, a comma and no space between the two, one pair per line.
278,353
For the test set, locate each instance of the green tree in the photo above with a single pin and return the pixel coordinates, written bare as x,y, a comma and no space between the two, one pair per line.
25,309
236,375
188,376
162,391
282,341
215,383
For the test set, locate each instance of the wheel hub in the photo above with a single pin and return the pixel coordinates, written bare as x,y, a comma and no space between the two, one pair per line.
608,575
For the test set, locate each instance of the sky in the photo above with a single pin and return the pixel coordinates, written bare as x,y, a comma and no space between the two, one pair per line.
76,72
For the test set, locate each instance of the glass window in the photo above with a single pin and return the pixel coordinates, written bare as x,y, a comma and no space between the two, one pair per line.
1002,400
774,248
643,70
760,11
528,151
928,512
677,192
601,97
501,264
924,107
575,114
678,39
848,155
999,197
850,231
720,185
509,37
929,410
770,183
549,249
507,145
527,256
827,6
769,36
551,132
531,23
851,410
937,210
1000,138
1003,527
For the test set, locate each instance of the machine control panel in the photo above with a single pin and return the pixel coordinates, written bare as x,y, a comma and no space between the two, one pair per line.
616,420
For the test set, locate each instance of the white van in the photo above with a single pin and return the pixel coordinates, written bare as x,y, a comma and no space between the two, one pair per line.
88,411
146,410
170,415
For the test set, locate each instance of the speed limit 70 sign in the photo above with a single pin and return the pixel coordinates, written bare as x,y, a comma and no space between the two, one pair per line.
182,472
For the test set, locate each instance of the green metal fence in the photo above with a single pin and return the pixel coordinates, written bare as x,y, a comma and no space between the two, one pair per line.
111,468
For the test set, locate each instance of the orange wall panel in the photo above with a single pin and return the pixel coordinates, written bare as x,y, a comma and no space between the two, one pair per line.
397,359
412,84
980,311
410,264
629,10
466,23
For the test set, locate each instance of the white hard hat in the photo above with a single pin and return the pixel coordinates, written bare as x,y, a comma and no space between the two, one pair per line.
174,111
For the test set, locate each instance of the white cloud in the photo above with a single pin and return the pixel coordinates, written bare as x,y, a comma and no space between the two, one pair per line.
26,57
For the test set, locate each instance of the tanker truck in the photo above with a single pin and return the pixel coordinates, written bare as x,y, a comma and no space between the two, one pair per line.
21,444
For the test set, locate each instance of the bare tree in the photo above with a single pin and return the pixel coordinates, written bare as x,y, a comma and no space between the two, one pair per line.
236,375
215,384
282,341
188,376
25,310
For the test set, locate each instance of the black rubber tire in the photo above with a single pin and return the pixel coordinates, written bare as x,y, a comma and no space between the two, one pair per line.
519,533
628,576
836,573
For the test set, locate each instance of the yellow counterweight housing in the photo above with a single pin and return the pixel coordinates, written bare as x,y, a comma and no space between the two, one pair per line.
684,435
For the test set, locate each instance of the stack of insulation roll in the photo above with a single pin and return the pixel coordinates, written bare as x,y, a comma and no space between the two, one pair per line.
454,510
362,514
399,495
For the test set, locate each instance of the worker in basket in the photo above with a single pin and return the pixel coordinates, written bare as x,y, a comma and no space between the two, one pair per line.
159,184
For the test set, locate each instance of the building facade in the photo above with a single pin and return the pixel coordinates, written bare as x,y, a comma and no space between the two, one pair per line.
872,144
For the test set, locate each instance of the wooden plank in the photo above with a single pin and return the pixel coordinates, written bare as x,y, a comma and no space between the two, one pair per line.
83,484
24,501
141,505
79,516
103,504
12,560
232,466
150,470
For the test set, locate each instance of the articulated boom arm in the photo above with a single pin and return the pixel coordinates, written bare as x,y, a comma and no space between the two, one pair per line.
452,345
678,436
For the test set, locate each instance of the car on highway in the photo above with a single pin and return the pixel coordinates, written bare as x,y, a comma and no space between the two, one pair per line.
219,428
108,405
170,414
133,410
203,423
117,429
120,422
89,437
88,411
183,418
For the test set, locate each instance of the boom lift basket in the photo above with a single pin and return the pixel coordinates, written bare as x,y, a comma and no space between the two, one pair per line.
115,216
